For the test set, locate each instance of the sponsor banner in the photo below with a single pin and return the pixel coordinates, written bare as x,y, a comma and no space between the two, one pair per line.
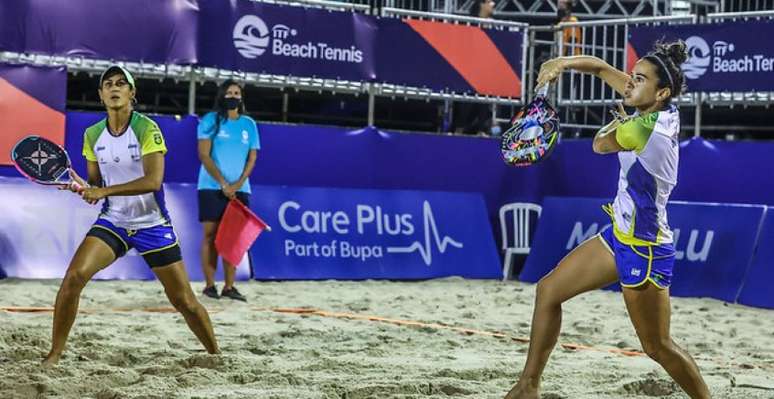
713,242
32,101
722,57
323,233
266,38
42,227
756,290
129,30
449,57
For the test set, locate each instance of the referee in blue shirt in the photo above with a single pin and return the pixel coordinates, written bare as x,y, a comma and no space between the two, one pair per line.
228,148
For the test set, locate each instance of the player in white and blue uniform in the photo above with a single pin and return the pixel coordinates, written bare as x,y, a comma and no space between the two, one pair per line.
638,250
228,147
125,161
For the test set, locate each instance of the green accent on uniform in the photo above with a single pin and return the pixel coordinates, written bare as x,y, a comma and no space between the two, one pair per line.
90,139
634,134
148,134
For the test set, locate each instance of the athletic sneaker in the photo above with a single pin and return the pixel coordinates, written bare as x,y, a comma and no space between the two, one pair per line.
233,294
211,292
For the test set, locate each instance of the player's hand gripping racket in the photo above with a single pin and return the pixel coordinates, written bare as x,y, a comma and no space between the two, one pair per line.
44,162
533,134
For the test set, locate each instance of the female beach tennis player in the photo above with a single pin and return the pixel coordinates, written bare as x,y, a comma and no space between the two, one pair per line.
638,250
125,161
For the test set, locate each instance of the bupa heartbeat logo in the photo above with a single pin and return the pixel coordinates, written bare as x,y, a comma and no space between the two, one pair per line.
368,223
425,248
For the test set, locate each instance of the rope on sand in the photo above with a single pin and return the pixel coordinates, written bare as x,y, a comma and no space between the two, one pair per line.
344,316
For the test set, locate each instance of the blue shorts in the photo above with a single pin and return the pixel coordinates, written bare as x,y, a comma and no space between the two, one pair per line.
639,264
158,245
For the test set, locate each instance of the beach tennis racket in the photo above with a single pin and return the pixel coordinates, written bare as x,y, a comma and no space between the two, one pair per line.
533,134
43,161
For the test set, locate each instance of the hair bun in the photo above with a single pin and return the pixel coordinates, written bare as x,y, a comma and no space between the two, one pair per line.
676,51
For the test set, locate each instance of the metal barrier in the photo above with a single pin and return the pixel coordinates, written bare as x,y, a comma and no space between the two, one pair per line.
746,5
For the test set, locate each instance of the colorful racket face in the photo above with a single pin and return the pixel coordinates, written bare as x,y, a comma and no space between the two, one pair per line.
533,134
41,161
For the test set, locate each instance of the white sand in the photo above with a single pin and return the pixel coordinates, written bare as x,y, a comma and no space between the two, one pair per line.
274,355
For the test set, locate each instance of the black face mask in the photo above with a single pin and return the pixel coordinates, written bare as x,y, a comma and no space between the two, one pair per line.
230,103
562,13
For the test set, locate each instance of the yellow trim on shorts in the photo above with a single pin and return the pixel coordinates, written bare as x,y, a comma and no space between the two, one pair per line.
634,249
126,246
647,275
605,243
177,242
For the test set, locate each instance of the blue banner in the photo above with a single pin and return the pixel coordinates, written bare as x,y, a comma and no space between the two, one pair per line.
756,290
42,227
714,242
320,233
266,38
724,57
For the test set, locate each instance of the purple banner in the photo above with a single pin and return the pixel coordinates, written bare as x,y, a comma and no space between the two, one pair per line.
266,38
728,57
130,30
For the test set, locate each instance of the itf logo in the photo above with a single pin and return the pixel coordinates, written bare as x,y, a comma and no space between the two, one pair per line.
251,36
698,57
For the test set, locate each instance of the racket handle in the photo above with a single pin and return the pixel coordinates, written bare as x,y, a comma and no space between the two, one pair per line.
542,91
77,187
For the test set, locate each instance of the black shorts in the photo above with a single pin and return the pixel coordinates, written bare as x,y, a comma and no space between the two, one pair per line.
212,204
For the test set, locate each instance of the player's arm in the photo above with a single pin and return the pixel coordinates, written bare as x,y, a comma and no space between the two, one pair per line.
624,133
94,176
551,69
605,141
152,148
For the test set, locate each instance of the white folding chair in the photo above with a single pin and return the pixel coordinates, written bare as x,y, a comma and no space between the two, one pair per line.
521,233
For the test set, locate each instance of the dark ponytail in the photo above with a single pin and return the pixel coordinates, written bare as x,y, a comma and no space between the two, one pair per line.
668,57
